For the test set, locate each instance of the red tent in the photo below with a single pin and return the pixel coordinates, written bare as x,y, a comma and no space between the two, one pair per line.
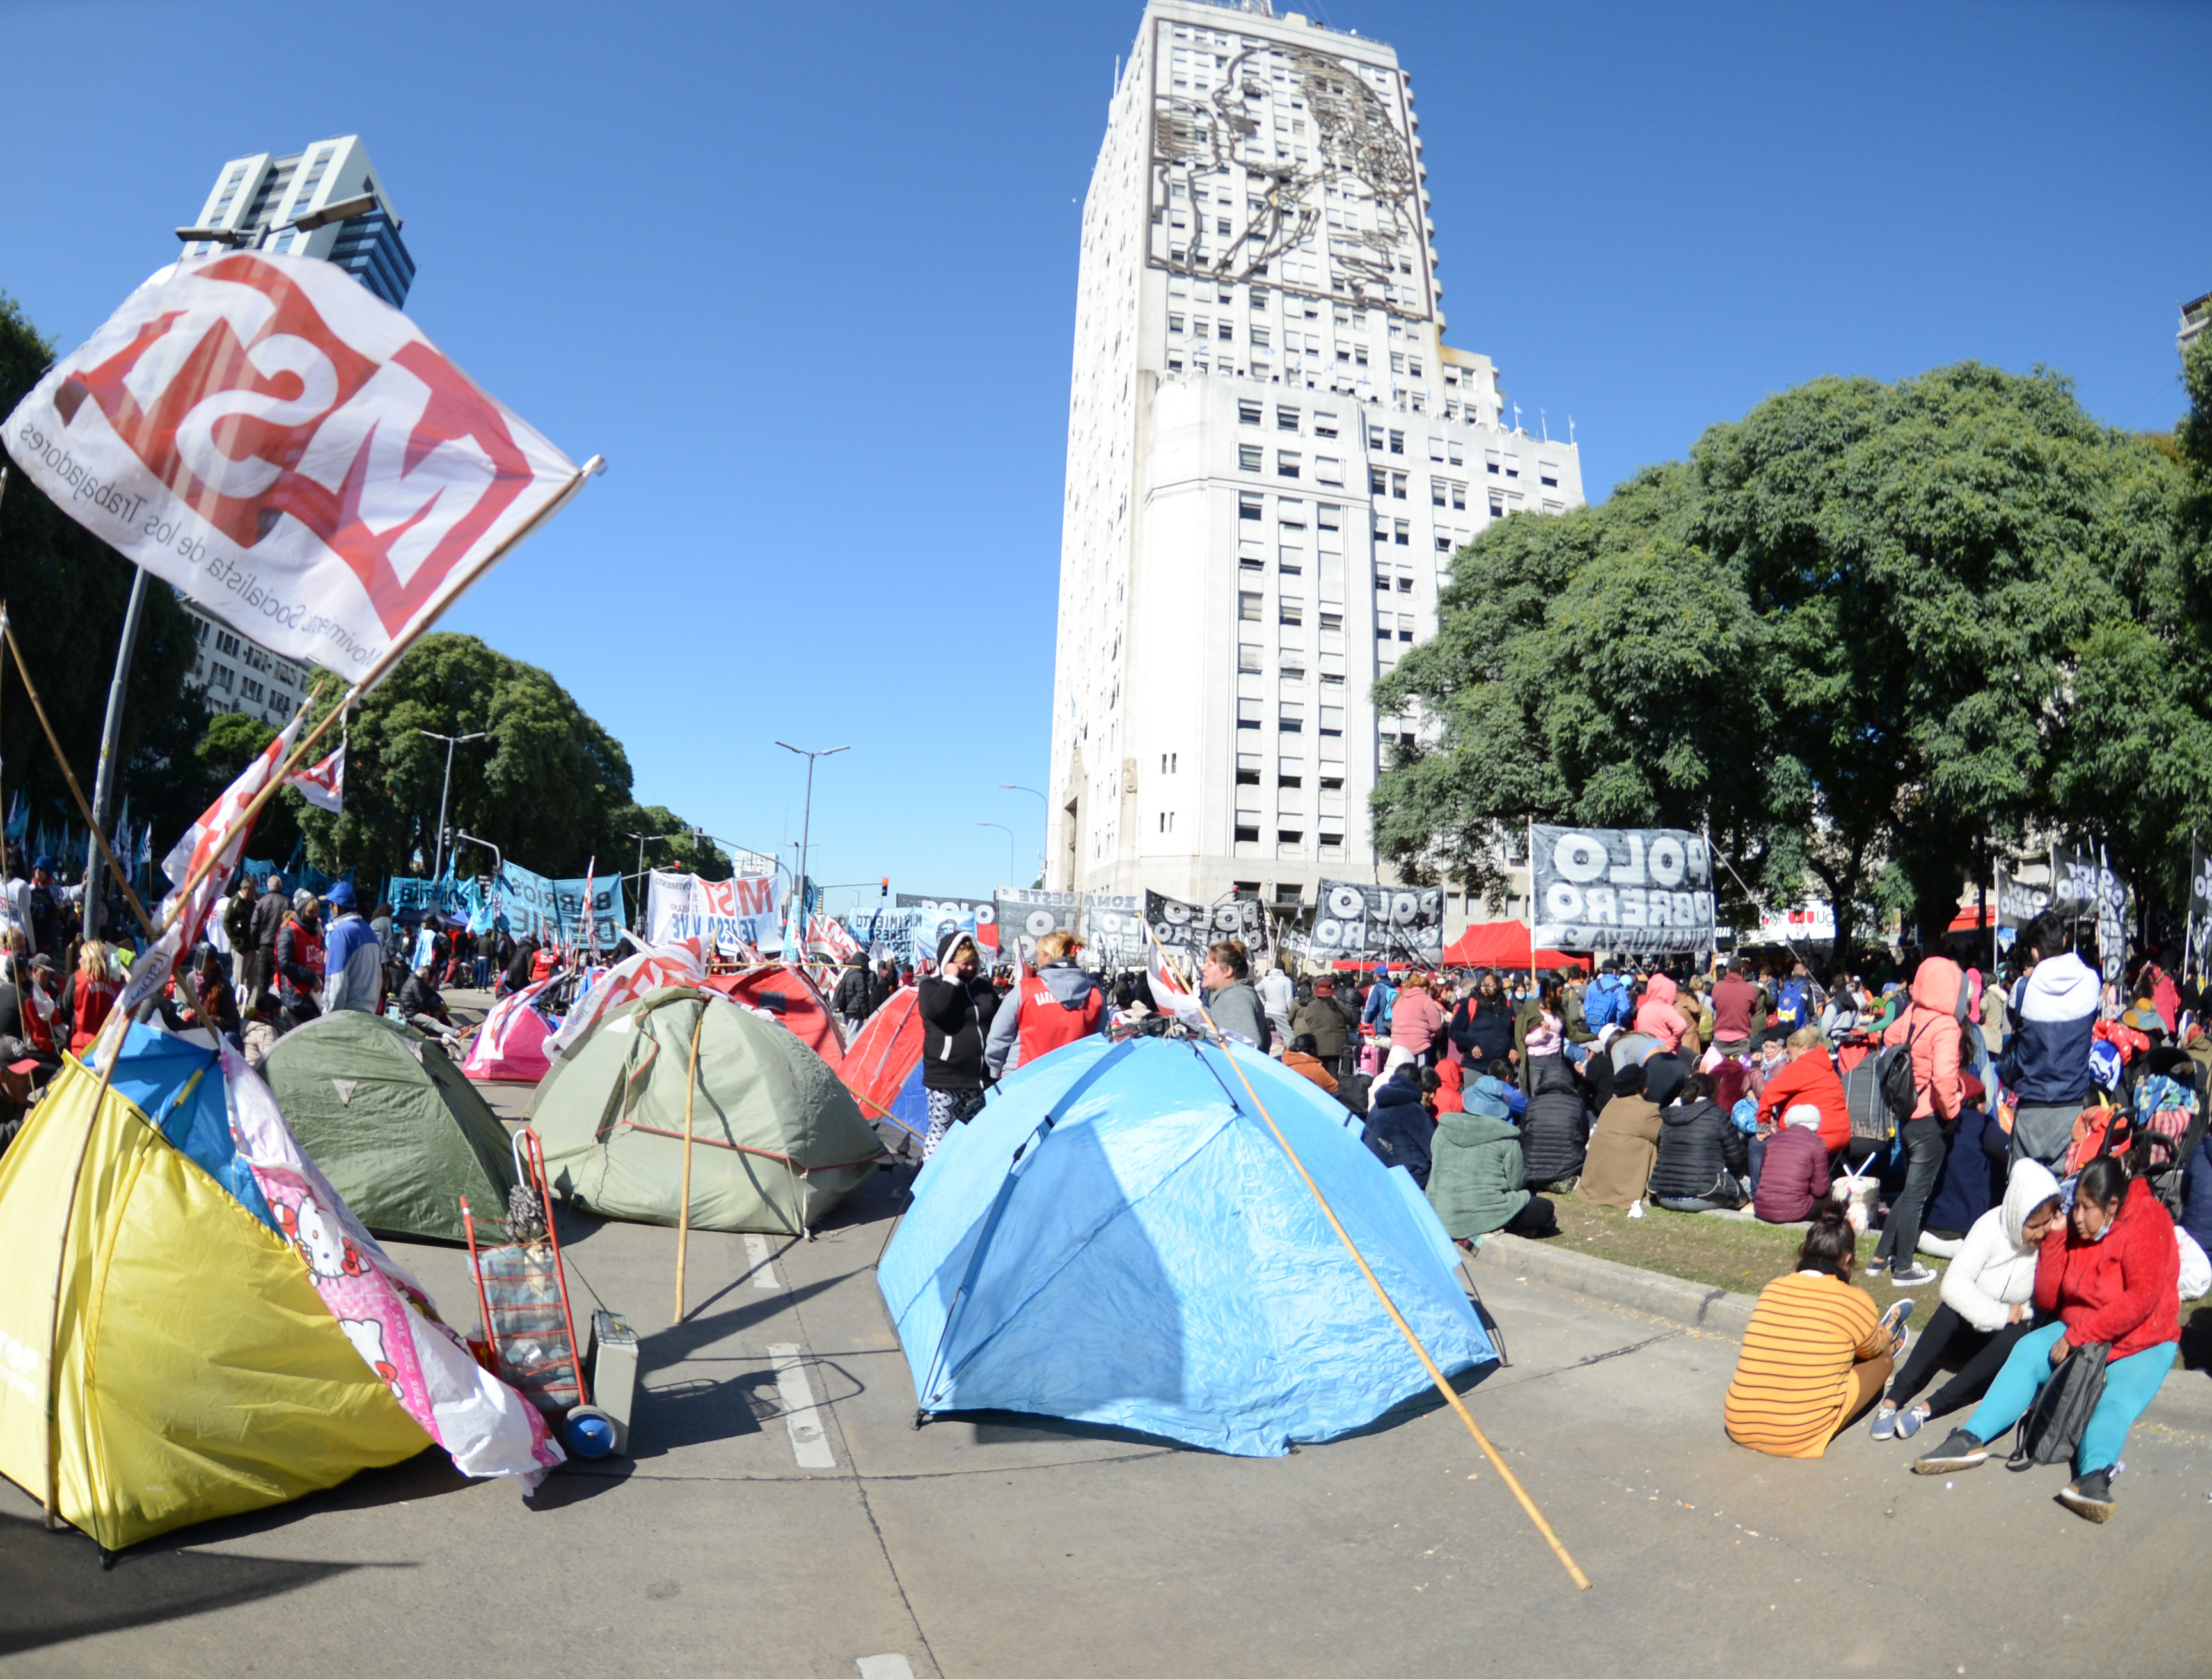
1502,945
884,1060
1970,920
788,994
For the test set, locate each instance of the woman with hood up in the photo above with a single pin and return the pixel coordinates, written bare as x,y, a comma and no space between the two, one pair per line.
1398,1129
1658,1017
1477,1178
1931,1028
955,1007
1987,1306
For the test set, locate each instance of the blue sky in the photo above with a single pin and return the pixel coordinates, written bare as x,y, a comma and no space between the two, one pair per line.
806,277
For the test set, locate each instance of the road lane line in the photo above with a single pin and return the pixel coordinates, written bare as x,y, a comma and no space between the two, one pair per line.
809,1443
885,1667
763,1268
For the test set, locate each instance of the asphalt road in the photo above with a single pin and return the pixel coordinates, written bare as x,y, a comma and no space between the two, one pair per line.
782,1517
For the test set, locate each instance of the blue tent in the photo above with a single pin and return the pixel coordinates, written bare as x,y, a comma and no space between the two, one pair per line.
1117,1239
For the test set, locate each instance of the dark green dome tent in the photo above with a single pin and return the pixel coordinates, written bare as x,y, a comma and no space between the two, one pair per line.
777,1141
397,1129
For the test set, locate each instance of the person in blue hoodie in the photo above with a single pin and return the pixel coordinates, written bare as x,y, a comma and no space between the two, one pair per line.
2046,1058
353,962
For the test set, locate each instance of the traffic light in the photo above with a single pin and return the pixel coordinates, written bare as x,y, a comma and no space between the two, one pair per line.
887,891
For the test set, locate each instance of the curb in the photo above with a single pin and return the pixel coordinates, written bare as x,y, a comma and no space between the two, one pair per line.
1697,1305
2184,1399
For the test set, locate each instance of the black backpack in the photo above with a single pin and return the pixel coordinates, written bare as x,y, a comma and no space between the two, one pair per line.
1894,1076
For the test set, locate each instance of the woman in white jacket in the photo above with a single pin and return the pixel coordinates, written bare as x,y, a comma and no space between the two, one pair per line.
1988,1290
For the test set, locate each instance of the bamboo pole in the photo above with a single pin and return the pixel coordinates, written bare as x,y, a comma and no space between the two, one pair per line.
683,1213
1444,1384
23,670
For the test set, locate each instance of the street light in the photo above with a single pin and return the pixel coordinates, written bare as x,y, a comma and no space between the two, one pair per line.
1016,787
438,867
1009,833
806,821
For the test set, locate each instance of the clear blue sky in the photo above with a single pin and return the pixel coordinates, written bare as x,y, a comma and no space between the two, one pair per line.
805,275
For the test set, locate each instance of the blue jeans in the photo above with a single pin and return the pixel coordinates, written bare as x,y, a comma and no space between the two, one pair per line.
2130,1384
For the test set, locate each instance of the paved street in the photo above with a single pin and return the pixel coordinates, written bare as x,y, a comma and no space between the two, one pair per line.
782,1517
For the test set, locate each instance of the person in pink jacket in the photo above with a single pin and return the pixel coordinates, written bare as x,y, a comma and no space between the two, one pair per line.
1416,1019
1930,1026
1657,1015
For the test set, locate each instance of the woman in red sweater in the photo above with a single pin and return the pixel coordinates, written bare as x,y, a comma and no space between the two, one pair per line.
2110,1271
1809,1076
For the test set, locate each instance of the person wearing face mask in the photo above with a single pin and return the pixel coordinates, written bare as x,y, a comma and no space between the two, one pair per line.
1986,1307
2109,1274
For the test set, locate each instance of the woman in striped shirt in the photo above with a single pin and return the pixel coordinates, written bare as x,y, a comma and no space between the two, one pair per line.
1815,1354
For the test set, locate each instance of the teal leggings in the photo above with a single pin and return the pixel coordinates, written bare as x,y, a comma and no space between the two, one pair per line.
2130,1385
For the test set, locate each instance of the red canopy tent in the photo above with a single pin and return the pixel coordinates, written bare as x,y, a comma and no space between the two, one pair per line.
1971,921
1502,945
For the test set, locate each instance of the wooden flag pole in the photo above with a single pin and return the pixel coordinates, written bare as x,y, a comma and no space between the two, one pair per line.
1444,1384
76,792
683,1213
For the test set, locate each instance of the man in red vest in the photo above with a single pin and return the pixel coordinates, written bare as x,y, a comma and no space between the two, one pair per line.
1058,1004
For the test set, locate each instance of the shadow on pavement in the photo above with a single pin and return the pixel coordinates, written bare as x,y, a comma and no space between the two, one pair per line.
57,1590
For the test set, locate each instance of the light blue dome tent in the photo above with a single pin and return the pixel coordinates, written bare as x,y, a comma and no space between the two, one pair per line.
1117,1239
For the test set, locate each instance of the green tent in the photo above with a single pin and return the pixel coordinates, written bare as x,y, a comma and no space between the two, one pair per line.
394,1126
777,1141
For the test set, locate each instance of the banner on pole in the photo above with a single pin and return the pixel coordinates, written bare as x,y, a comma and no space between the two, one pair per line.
726,913
937,916
1369,923
2200,908
1644,892
549,910
1187,930
1113,928
1025,915
289,451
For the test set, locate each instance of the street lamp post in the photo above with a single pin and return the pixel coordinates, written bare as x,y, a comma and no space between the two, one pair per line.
806,821
1016,787
1009,833
438,867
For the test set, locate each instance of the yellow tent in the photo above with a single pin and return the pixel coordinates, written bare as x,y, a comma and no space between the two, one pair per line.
199,1374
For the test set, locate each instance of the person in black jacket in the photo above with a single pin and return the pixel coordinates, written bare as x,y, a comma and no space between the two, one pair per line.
1702,1155
1401,1132
268,913
1482,1028
854,993
956,1007
1555,1128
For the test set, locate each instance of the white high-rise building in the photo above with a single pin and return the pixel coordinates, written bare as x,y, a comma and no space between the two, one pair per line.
1271,456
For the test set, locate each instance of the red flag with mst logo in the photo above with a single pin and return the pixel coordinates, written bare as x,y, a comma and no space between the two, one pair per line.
289,451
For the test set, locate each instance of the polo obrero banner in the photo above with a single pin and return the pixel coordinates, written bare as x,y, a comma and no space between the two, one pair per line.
1390,924
1025,915
289,452
1639,890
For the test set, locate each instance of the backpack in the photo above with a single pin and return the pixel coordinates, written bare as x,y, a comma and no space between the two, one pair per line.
1792,1007
1900,1092
1606,1003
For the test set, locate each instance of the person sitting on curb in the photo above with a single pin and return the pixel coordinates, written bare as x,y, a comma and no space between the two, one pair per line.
1477,1176
1985,1305
1793,1175
2110,1271
1814,1354
1625,1145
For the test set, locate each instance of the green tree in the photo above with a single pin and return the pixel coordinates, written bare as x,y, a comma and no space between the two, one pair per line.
66,591
550,787
1846,633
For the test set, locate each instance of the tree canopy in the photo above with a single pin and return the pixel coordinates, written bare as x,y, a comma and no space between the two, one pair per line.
1867,634
549,786
66,591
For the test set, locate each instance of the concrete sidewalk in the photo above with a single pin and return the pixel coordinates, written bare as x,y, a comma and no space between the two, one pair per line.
783,1517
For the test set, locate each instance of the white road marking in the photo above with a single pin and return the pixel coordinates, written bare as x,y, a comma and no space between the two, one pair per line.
885,1667
763,1268
809,1443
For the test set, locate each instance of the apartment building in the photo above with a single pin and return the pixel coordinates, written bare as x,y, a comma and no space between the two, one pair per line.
267,203
1273,456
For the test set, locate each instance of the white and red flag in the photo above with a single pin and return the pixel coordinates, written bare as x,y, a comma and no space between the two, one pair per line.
1169,991
826,934
652,968
287,450
322,785
220,834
